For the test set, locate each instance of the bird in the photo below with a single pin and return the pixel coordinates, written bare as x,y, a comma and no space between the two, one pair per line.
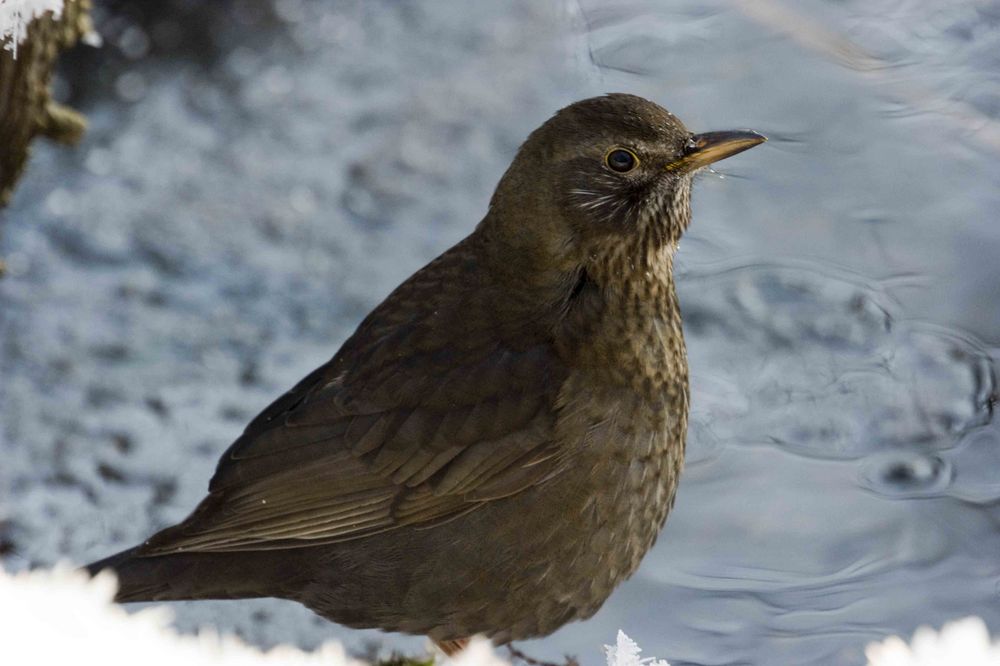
499,442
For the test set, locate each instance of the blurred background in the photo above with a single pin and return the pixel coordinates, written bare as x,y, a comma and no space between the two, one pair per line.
258,174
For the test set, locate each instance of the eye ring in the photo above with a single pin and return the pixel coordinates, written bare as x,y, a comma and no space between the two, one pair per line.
621,160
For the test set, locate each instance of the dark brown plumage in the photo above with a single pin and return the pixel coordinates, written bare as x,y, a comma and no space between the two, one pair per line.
498,444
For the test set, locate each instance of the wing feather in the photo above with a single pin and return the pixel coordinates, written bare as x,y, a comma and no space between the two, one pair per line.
425,413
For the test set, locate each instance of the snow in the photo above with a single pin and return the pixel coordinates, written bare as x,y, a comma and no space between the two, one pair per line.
625,652
966,642
64,602
16,15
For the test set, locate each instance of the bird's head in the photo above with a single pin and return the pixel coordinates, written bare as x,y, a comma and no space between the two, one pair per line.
607,173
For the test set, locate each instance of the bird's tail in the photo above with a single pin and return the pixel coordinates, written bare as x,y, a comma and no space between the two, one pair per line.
181,576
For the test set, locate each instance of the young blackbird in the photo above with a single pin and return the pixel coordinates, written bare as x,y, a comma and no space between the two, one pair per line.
498,444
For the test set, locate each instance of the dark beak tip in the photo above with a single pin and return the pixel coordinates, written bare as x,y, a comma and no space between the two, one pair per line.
748,135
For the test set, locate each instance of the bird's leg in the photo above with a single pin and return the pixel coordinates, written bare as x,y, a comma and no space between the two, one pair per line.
451,648
531,661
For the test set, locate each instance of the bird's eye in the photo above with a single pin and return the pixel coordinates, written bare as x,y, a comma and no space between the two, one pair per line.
621,160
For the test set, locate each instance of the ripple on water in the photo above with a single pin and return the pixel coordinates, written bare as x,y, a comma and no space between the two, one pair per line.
817,361
905,474
976,460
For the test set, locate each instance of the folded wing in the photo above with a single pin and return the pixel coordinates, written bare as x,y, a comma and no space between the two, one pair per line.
425,414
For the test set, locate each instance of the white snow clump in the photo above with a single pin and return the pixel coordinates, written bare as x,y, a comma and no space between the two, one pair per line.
965,642
15,15
62,616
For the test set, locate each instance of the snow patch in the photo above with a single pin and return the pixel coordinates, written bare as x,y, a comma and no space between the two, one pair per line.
16,15
61,616
966,642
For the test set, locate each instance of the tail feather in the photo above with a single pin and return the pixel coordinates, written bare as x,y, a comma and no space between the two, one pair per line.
136,580
184,576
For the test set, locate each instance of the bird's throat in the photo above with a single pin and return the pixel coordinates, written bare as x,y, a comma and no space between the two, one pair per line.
625,324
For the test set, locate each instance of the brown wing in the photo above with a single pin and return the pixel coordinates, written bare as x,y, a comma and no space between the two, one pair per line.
428,411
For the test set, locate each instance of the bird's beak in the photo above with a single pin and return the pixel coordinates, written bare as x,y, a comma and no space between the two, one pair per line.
703,149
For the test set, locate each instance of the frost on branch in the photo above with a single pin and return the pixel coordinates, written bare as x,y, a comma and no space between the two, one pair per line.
32,33
16,15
